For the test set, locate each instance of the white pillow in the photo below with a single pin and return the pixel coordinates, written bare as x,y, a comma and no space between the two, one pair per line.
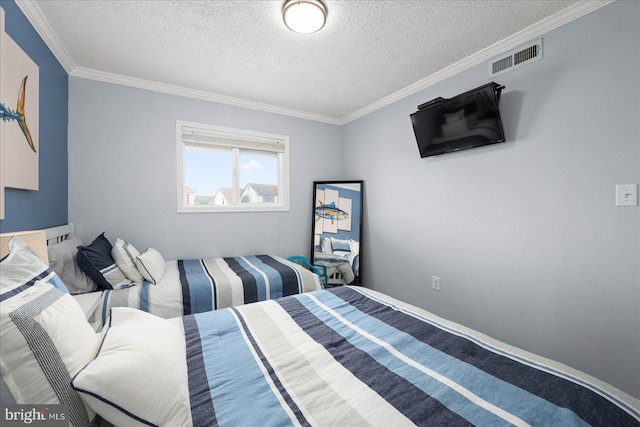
326,246
124,254
140,375
45,340
355,246
151,265
22,268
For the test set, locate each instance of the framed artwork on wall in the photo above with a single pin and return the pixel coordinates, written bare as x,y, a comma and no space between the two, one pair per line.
19,110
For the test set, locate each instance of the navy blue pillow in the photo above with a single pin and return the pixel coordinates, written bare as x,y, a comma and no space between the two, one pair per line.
94,258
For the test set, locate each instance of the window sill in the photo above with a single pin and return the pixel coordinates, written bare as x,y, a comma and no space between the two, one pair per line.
234,209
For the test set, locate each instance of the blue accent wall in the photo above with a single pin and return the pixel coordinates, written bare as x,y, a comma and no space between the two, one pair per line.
48,206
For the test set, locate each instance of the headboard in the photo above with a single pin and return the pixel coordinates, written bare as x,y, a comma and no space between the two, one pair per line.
37,239
58,234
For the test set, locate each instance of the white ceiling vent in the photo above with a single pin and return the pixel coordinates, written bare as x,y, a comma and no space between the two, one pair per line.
516,58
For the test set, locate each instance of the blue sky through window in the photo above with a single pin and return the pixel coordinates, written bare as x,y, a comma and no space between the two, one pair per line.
206,171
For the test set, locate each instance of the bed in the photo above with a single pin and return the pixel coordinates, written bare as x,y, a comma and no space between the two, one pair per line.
341,258
193,286
345,356
339,268
341,356
168,288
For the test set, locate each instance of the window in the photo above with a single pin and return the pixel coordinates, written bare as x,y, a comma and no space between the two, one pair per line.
231,170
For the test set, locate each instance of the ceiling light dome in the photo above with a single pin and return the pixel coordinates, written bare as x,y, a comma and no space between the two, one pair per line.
304,16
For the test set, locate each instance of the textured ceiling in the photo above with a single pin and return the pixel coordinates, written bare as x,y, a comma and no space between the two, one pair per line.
367,51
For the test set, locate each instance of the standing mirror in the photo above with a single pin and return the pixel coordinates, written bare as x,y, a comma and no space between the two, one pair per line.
337,230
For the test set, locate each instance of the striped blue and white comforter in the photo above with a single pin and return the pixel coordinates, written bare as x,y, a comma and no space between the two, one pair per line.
353,357
198,285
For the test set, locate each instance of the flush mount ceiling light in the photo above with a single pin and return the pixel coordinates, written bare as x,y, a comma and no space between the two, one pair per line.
304,16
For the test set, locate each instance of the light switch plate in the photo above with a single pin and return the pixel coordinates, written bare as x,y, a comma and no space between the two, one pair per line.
627,195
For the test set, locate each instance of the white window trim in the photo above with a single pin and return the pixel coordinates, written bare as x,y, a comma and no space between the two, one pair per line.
283,177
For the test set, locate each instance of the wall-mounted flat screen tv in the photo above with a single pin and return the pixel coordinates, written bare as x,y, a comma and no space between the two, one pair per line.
469,120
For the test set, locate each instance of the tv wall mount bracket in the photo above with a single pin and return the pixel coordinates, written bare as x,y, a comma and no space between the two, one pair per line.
496,87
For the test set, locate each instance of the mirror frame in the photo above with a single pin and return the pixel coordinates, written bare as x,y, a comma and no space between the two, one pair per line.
353,207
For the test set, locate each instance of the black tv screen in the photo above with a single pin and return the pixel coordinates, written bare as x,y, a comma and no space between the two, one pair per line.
469,120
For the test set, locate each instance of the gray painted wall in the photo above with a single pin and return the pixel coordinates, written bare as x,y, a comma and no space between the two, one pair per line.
524,235
122,173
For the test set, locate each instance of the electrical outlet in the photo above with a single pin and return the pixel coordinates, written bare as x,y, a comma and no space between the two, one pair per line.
435,282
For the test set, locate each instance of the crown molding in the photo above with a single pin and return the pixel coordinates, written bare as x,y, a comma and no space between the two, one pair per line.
534,31
34,15
39,22
118,79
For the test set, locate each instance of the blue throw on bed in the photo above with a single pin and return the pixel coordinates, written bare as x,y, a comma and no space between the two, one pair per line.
349,356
